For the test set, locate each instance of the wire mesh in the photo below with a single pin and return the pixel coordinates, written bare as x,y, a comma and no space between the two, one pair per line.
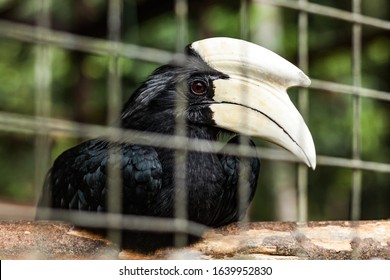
42,125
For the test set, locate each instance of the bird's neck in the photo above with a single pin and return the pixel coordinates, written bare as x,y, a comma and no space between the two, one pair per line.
166,124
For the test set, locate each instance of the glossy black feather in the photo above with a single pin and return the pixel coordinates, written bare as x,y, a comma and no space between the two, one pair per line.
78,178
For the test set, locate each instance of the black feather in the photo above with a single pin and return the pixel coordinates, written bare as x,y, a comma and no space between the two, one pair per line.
78,178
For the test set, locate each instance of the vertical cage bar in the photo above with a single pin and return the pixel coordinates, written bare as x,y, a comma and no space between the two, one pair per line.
356,141
303,104
181,197
181,12
114,101
244,19
243,186
43,78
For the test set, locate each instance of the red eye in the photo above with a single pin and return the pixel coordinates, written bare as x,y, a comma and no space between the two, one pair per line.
199,87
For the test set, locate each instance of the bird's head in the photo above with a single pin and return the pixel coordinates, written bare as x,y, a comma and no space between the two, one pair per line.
229,84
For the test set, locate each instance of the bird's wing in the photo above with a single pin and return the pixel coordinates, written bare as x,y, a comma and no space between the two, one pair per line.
229,210
78,179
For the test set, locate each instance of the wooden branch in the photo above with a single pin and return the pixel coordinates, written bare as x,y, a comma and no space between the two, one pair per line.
260,240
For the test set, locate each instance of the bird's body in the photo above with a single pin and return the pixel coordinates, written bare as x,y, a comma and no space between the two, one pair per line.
78,179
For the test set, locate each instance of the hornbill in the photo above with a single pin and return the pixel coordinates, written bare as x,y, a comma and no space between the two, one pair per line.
222,82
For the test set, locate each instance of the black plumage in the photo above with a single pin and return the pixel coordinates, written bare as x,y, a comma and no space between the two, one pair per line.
78,177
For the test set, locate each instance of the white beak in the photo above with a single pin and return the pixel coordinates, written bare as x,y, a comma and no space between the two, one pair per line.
254,101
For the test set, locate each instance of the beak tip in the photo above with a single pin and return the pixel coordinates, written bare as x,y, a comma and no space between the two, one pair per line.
304,80
308,150
312,161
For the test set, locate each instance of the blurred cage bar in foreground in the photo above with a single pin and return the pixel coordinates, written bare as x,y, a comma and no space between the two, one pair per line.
43,126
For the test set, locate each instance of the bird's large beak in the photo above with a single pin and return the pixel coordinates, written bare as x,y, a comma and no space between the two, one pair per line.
254,101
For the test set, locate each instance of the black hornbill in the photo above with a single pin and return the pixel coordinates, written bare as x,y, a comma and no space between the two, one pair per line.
223,82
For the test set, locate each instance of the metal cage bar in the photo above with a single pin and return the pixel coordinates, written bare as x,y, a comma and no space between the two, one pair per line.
180,192
114,101
317,9
43,77
303,104
356,142
17,123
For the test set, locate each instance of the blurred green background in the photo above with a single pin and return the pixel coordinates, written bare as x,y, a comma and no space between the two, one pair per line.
79,91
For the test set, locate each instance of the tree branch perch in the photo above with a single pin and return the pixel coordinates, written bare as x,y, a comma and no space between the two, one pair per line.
259,240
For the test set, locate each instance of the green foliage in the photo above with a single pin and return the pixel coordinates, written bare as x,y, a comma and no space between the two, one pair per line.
224,20
16,77
16,167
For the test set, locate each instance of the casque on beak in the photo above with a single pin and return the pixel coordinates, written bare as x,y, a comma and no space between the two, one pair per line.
254,101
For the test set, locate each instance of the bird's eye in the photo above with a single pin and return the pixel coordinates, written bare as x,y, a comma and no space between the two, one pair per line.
199,87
